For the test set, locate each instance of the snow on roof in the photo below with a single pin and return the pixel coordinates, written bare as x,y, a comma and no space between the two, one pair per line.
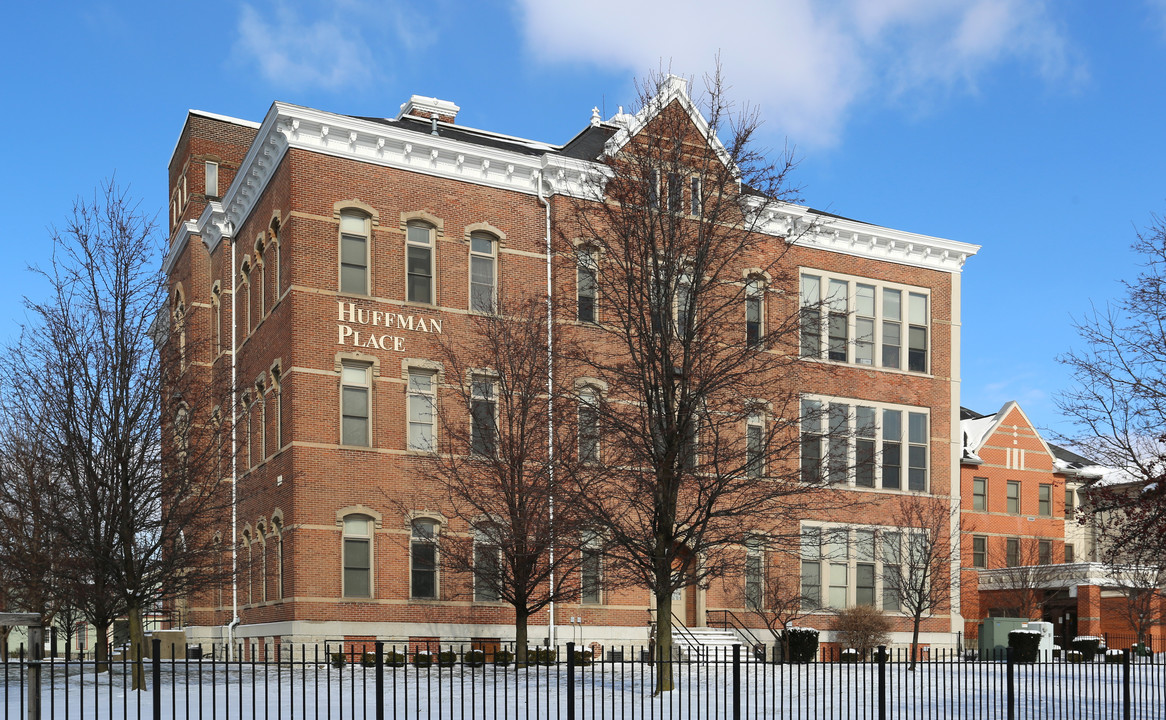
973,432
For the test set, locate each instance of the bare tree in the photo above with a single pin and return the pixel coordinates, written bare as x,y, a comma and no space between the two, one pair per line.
508,464
1118,401
918,568
1023,576
691,341
1136,565
103,374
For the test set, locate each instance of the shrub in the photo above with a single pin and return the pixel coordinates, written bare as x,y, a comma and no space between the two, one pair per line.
368,659
1113,656
1075,656
474,658
541,656
1025,645
338,660
849,655
503,657
583,657
422,659
803,644
1056,651
446,658
1087,645
1141,650
394,659
862,628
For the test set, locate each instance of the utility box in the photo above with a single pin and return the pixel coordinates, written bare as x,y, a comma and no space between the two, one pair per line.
994,636
1045,650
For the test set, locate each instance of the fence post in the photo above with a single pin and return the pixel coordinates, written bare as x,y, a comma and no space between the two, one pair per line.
736,681
156,662
1011,683
1125,684
570,681
379,648
36,650
882,656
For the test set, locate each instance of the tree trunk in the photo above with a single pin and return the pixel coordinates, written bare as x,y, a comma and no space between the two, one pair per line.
520,636
5,630
138,649
914,642
101,646
663,649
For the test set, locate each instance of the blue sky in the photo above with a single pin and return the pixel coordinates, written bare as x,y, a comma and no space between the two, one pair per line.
1032,128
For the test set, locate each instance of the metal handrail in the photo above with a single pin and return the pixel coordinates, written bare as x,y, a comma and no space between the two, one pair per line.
677,626
735,623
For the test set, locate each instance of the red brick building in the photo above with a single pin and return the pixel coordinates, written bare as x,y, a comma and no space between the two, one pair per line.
1025,550
318,256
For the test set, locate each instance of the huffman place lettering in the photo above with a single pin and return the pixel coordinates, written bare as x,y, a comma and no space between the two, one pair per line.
369,337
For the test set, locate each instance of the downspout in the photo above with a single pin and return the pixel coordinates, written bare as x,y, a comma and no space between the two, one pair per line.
550,410
234,453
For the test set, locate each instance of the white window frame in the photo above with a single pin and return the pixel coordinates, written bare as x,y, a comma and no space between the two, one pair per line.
347,535
367,387
592,551
416,397
479,381
490,257
482,545
588,425
364,235
586,266
755,295
825,304
212,179
848,435
824,554
430,244
415,539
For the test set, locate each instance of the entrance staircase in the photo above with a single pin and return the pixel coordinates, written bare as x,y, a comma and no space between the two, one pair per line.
705,643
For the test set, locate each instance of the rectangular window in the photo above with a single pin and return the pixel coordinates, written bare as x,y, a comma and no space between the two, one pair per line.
587,286
865,431
591,568
1044,506
675,193
423,556
838,321
353,254
980,494
357,557
755,446
1069,553
419,263
917,452
1012,552
839,574
354,404
754,292
694,199
979,551
811,316
864,324
653,188
212,179
838,462
892,564
482,273
422,410
892,327
684,300
483,416
892,449
864,570
1070,504
754,590
811,554
837,552
917,332
811,441
588,426
487,565
1013,497
1044,552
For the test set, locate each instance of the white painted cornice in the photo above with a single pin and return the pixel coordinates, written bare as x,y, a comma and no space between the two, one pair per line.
811,229
291,126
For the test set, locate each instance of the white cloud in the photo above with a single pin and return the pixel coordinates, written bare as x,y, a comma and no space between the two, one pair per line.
808,63
292,52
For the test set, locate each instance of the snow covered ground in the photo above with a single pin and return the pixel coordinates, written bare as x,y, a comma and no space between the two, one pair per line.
613,690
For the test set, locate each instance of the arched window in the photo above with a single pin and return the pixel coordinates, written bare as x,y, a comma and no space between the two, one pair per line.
754,572
217,306
277,390
423,558
245,281
179,311
487,566
419,262
354,253
587,285
588,425
261,268
483,272
247,548
261,537
261,416
754,312
277,532
357,550
277,271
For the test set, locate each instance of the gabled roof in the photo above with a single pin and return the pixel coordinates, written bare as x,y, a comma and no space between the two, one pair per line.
976,429
672,88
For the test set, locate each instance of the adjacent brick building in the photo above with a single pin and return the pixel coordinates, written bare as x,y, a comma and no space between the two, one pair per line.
317,257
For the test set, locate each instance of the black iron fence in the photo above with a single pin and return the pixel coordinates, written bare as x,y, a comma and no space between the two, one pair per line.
382,681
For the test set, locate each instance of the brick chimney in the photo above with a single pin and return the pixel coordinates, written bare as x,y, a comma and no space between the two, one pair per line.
425,108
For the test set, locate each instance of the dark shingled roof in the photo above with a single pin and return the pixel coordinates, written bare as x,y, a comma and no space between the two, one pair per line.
455,133
588,145
1070,457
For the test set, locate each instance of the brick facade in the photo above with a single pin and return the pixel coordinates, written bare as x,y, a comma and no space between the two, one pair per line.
273,236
